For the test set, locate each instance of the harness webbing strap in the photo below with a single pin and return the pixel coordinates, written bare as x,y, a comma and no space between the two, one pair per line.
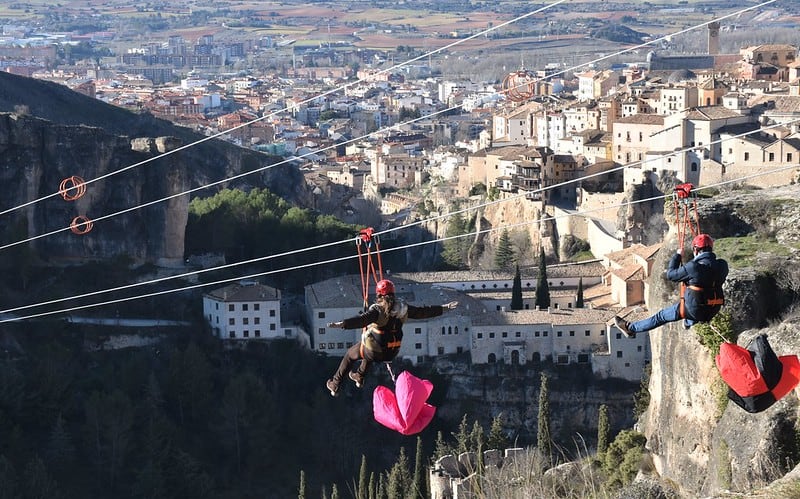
369,262
686,217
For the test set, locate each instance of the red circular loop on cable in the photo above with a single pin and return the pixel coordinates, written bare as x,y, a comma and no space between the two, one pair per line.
71,188
519,86
81,225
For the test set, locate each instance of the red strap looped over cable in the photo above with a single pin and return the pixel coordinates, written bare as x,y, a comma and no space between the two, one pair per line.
369,262
686,217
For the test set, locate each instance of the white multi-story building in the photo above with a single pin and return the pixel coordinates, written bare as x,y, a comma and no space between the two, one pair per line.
563,334
342,297
246,310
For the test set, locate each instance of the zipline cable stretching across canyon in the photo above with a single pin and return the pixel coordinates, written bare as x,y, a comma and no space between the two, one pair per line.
336,243
234,177
306,101
332,260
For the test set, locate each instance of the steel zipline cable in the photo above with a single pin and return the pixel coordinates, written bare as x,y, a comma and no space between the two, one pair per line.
408,122
390,230
336,243
339,259
306,101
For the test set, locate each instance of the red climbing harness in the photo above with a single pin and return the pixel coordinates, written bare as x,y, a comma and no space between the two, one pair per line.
686,218
370,267
369,261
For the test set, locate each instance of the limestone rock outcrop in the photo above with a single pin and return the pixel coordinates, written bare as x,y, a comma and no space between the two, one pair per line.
698,443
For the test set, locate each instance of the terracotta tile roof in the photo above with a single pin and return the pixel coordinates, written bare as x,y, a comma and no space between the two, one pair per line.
642,119
629,272
708,113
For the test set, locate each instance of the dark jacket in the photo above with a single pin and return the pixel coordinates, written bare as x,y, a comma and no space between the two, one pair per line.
383,332
702,278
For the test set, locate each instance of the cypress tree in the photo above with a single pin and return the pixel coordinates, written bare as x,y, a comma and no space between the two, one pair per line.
334,492
579,299
516,291
462,437
362,479
543,432
420,477
442,449
301,490
542,287
373,486
476,438
504,255
603,431
399,480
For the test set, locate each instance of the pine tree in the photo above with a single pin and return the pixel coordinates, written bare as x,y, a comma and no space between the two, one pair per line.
497,438
543,432
301,489
334,491
542,287
579,299
603,431
420,488
454,249
516,291
504,255
362,479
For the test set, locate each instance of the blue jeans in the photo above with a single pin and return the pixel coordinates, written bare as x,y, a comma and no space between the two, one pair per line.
663,316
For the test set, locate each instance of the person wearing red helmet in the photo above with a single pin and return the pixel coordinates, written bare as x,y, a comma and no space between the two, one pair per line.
382,335
701,290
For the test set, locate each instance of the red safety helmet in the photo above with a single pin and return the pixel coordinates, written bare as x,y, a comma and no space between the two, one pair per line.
384,287
703,241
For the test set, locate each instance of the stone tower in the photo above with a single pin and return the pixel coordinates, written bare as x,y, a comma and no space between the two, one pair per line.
713,38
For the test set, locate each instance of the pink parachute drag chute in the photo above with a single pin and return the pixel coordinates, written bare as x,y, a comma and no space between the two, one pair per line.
407,411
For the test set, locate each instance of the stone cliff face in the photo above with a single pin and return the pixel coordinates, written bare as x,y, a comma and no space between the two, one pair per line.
38,154
695,444
575,396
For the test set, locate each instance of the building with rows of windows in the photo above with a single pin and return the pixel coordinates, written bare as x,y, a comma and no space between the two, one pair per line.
245,310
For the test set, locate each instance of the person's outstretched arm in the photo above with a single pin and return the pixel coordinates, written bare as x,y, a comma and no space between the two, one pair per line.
361,320
430,311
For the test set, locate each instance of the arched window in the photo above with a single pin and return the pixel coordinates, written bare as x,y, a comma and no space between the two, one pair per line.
492,358
514,357
537,357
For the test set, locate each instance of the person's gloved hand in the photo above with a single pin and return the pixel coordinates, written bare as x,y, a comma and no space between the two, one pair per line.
338,324
450,306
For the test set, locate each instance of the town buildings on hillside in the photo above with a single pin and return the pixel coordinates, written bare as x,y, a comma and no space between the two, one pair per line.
571,145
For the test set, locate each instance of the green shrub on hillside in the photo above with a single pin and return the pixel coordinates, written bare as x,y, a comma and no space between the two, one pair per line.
712,334
623,458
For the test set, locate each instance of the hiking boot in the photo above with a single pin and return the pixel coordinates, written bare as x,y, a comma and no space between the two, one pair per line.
686,324
358,378
333,387
622,325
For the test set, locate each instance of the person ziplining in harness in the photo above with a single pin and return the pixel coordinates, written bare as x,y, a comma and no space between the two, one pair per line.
701,290
383,332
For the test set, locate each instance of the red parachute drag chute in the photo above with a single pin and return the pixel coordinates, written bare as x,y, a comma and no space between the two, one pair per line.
756,377
407,410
